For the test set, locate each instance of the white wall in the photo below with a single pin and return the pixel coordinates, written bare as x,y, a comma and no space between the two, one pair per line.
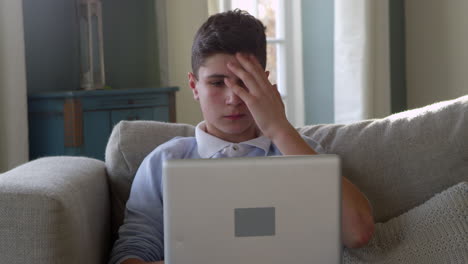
183,20
13,106
436,50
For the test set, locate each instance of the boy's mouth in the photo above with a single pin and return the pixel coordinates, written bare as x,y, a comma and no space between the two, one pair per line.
234,117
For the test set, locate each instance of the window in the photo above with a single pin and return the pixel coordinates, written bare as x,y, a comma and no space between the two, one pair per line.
282,19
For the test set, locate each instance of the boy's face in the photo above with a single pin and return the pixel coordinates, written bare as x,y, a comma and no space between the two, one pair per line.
226,115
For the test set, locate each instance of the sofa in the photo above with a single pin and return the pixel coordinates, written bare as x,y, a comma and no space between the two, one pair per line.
412,166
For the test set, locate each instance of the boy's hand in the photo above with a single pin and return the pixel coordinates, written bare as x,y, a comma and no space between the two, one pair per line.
261,97
266,106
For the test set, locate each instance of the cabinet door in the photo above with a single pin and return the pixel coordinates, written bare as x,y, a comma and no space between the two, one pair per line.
45,134
161,114
131,114
97,129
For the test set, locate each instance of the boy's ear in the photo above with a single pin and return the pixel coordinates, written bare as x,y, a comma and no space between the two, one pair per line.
193,85
267,73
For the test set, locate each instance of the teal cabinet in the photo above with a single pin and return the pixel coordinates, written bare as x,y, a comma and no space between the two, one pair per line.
78,123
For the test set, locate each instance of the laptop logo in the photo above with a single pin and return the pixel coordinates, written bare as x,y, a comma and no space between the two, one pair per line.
250,222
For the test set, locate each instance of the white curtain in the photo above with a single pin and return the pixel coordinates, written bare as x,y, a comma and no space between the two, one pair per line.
361,59
13,95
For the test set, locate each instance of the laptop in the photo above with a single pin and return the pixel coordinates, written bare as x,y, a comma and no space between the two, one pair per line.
270,210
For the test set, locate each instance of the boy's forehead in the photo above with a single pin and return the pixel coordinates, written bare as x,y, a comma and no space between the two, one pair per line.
219,58
216,65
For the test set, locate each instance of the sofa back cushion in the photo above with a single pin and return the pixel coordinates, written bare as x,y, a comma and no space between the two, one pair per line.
128,145
398,162
404,159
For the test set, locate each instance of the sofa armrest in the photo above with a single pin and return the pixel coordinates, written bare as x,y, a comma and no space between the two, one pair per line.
55,210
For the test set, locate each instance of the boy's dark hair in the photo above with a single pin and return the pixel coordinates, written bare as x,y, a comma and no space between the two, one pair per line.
229,32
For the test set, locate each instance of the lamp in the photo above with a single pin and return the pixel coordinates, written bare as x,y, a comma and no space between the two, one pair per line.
91,44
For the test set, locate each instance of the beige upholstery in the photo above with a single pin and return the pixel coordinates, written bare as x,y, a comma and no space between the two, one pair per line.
432,233
128,145
402,160
55,210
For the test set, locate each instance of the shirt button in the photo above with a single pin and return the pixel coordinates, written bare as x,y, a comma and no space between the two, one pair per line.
235,147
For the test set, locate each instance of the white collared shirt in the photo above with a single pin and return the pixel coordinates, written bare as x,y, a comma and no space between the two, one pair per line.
210,146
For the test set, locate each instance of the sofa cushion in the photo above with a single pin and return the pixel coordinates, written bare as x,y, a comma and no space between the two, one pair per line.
434,232
402,160
128,145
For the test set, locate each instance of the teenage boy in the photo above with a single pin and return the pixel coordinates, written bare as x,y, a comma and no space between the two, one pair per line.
243,116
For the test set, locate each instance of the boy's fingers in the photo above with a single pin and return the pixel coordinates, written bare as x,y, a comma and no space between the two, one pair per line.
278,94
259,67
276,91
238,90
246,77
251,65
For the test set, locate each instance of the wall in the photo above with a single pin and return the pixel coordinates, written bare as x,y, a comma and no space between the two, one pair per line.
436,57
13,109
130,43
52,44
51,41
183,20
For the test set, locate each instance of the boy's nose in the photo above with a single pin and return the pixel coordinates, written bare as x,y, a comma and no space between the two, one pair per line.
232,98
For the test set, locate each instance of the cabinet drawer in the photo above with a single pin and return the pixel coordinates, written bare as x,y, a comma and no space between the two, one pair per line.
126,102
131,114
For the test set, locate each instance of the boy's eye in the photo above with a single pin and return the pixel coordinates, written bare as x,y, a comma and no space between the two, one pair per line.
217,83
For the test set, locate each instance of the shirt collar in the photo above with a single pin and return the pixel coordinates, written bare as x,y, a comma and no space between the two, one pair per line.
209,145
